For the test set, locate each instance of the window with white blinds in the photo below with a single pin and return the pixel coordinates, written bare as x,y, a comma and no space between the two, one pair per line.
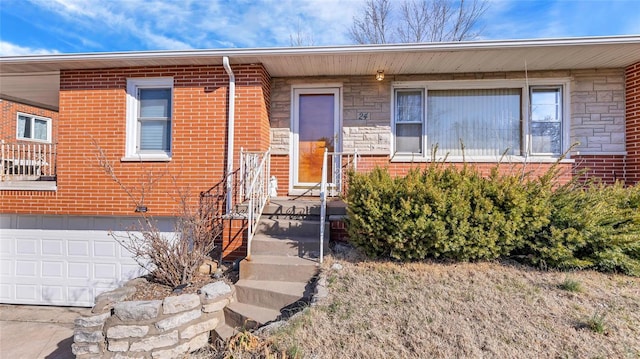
483,122
154,120
472,121
149,115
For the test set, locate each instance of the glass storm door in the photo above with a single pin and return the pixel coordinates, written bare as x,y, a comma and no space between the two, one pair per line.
315,127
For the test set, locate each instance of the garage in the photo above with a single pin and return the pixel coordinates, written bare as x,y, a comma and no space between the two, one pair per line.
47,260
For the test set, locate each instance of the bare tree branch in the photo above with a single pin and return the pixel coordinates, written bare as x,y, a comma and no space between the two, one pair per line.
372,27
301,37
417,21
171,258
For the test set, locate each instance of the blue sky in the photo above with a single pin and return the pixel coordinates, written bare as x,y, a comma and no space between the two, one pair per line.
74,26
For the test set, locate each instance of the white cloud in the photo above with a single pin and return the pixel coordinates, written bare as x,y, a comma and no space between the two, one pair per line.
9,49
167,24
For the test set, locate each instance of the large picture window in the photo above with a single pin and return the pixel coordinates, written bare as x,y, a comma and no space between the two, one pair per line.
485,122
465,119
149,113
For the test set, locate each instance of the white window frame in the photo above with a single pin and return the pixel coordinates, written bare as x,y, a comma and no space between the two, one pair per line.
132,128
525,137
421,122
33,119
562,119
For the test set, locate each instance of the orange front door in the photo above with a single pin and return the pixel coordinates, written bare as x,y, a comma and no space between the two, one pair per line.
316,121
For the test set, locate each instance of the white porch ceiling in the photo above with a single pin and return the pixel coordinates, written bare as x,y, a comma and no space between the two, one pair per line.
19,76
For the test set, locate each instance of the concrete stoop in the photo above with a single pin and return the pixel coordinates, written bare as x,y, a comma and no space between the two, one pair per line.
283,264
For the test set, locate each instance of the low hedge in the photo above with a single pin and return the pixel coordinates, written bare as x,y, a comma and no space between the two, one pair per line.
457,214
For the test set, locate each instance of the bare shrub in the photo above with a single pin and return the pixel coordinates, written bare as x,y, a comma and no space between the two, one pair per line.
171,258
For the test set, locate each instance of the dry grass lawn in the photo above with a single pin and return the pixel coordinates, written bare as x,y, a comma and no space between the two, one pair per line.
465,310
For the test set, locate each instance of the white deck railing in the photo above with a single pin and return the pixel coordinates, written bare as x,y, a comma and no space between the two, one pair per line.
27,161
341,162
255,169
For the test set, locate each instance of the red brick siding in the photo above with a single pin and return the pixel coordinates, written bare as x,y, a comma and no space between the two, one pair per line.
280,169
8,121
608,169
632,119
92,107
234,239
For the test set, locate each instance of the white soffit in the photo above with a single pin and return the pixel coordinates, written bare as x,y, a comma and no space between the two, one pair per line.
39,89
396,59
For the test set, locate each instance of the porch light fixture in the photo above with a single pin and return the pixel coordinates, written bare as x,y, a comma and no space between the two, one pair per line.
380,75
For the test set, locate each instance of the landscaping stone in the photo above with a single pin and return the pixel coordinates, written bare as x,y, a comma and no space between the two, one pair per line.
92,321
215,290
105,301
127,331
194,344
81,336
159,341
137,310
177,304
178,320
195,329
85,348
127,356
215,306
118,345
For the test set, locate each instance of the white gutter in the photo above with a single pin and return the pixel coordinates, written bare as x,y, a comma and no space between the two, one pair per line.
231,129
319,50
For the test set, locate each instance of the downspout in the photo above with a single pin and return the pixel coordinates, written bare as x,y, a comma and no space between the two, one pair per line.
231,130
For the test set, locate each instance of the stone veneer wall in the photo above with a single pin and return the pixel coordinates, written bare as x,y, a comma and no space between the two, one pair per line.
167,328
597,123
597,108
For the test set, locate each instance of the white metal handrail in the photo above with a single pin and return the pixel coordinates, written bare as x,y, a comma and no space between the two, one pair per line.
256,190
27,161
338,186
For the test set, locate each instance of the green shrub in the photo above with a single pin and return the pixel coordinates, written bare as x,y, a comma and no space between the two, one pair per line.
443,212
455,213
595,227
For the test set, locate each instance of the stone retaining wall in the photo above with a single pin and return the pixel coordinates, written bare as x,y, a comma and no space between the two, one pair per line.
165,328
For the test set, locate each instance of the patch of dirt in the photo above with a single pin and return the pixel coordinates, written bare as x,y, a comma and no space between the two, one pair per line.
151,290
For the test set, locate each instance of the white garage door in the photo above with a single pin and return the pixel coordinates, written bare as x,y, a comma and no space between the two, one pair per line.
61,267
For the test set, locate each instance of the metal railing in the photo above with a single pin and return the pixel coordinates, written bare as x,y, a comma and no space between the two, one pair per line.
255,171
213,203
341,163
27,161
242,194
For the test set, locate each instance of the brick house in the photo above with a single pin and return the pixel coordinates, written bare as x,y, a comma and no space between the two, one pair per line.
168,114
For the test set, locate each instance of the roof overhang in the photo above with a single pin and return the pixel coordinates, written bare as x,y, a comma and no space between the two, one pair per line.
452,57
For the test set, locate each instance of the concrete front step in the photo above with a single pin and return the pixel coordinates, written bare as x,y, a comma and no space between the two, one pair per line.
247,316
278,268
271,294
301,207
307,247
287,227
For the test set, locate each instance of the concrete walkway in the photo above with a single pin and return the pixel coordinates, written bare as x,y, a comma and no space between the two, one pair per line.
29,331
